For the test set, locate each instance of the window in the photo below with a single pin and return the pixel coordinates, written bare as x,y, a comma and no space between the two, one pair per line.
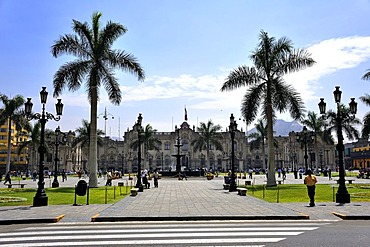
185,145
167,146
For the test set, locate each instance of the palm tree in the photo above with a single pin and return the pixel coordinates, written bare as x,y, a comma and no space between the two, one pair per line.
259,139
365,131
33,142
95,63
266,86
209,134
83,135
316,124
11,113
82,138
347,123
149,139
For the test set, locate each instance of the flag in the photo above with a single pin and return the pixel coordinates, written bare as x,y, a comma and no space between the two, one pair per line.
186,114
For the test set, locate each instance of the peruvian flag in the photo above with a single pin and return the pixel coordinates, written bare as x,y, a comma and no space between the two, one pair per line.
186,114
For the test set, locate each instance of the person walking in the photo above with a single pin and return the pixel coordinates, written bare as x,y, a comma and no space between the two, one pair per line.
310,181
155,177
109,179
8,178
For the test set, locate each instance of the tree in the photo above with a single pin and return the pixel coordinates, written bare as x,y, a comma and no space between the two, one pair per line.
266,87
209,134
316,124
11,113
95,64
259,139
82,138
365,131
83,135
33,142
348,121
149,139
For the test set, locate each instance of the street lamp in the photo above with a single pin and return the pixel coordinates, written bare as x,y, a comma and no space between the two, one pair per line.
138,128
41,198
105,117
57,141
305,137
342,195
232,128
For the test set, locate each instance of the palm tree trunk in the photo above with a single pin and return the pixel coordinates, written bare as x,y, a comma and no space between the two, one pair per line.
208,161
9,151
93,165
271,180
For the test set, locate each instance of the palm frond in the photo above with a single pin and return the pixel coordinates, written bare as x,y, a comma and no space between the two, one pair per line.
366,75
240,77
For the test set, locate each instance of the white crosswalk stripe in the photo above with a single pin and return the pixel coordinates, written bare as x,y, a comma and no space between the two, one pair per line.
156,233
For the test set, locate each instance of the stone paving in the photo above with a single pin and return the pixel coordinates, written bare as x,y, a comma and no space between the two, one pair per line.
194,199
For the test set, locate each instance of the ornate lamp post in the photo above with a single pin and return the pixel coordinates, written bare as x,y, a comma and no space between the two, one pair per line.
57,141
342,195
305,137
41,198
139,130
178,146
232,128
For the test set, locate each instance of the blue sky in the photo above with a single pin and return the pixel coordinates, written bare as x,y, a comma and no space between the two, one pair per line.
187,48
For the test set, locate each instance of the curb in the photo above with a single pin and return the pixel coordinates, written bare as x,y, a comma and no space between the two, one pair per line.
98,218
352,217
32,221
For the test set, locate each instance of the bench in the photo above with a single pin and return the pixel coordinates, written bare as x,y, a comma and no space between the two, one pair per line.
226,186
242,191
350,180
279,181
20,185
134,191
120,184
248,182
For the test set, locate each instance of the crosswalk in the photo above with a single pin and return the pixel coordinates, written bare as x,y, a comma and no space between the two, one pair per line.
220,233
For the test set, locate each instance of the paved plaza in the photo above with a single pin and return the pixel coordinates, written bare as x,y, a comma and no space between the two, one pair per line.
193,199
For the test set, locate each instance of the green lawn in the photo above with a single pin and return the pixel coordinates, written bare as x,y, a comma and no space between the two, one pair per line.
65,195
298,193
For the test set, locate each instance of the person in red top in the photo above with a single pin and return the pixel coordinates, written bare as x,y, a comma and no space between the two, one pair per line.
310,181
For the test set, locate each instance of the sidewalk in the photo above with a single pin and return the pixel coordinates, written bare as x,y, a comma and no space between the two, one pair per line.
194,199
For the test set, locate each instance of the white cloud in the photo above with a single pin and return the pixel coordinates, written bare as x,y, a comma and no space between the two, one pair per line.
331,56
203,92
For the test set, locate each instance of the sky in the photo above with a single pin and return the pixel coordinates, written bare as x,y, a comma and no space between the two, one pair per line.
187,49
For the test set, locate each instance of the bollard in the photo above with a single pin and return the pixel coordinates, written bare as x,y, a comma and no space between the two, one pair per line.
263,189
333,194
278,194
106,194
126,187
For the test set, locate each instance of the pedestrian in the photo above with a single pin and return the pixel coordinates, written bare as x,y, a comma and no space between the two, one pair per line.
283,171
109,179
250,172
155,177
8,178
310,181
63,175
184,175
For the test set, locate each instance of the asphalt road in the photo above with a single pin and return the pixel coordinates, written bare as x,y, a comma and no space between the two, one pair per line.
224,233
345,233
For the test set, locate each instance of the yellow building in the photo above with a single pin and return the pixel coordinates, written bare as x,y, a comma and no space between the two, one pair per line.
17,162
361,157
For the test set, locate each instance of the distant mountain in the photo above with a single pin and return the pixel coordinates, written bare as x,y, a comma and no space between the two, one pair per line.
283,128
